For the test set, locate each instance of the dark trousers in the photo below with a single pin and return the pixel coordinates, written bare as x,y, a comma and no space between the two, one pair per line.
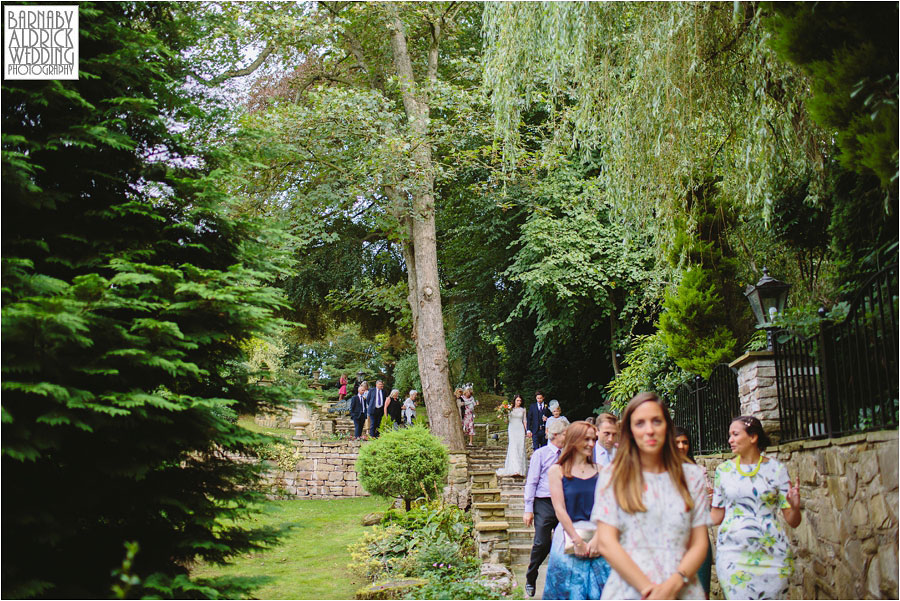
539,438
358,423
544,523
375,422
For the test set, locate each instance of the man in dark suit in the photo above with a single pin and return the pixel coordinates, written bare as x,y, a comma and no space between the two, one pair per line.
538,413
358,411
375,408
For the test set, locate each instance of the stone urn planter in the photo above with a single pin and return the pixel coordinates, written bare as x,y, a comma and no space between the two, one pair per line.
301,416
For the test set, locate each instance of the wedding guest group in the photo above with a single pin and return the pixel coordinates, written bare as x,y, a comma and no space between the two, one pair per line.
623,511
373,405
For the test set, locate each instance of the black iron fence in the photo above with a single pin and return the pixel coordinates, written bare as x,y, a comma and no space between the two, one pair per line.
845,379
705,409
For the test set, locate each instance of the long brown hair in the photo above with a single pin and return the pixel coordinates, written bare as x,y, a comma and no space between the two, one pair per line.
628,478
575,435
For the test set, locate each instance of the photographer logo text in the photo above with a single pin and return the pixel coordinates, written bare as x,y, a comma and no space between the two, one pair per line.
40,42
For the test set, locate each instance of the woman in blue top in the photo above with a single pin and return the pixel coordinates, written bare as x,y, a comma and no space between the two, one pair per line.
572,481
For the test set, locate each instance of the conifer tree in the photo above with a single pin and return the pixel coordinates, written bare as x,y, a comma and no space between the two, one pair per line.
127,294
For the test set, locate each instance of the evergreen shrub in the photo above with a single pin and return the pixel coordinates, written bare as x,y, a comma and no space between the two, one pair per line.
408,463
129,291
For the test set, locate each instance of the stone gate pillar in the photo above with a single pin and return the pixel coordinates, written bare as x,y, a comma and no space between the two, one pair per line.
757,390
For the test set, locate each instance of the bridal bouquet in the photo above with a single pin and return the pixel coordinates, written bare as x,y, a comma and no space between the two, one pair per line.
503,410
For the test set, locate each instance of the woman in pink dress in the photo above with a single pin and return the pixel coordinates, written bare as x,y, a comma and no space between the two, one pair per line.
343,391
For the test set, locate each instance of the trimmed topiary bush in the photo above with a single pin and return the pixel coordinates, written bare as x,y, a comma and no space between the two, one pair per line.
406,463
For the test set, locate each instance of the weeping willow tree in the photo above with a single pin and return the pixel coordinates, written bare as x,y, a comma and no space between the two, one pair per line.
669,94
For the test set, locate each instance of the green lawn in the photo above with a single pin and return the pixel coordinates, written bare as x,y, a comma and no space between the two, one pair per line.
311,562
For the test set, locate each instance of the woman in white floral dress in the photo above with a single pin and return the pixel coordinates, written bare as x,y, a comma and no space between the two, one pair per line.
651,510
753,557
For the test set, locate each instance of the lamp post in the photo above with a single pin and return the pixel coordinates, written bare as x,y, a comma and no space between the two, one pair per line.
767,299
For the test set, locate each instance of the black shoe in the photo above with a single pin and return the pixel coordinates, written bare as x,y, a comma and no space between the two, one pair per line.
529,590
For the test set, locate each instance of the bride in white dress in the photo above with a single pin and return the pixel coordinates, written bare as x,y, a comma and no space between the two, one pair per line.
515,453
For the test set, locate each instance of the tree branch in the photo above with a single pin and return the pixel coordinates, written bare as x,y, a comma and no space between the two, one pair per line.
236,72
356,48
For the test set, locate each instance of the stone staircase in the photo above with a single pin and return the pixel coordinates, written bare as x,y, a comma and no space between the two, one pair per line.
343,425
497,506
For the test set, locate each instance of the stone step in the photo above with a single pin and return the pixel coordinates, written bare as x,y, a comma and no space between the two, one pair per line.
521,539
491,526
486,495
488,505
519,553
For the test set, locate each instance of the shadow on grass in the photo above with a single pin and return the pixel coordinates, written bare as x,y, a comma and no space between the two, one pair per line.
244,585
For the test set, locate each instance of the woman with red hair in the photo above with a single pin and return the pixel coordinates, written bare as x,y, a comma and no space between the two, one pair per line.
573,573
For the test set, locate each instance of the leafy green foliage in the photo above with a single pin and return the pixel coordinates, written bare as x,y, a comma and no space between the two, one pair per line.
573,259
649,367
432,540
452,587
850,53
407,463
406,374
129,295
665,91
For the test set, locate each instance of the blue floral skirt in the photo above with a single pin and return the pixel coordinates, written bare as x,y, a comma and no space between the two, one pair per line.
573,577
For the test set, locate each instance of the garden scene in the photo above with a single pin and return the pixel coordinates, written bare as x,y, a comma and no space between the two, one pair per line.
346,300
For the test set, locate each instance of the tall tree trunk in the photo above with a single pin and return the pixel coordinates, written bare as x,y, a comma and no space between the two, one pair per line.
431,347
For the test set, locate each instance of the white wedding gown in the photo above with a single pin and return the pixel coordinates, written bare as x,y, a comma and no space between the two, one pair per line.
515,452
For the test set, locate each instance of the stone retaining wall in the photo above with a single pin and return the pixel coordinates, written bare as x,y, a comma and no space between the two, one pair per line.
326,471
846,545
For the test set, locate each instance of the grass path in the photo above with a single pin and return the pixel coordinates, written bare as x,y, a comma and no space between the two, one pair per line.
311,562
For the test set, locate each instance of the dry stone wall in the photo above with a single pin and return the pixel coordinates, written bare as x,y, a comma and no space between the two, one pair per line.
327,470
846,545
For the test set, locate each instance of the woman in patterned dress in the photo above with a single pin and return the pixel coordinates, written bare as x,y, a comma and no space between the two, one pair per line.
469,403
651,510
753,557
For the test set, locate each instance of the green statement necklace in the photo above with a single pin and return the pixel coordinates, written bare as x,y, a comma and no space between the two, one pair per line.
750,474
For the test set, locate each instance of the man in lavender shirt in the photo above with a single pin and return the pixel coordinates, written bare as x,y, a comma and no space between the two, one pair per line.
538,506
607,436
